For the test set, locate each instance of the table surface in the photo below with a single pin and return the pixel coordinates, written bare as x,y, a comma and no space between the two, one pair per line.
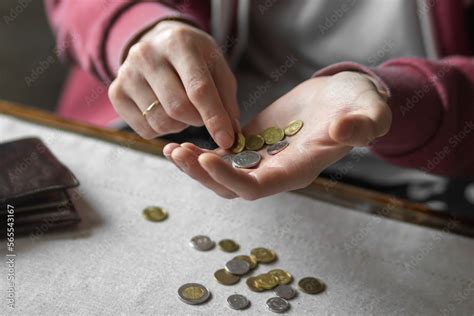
115,261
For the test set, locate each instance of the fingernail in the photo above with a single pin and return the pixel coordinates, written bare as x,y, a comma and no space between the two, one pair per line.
224,139
237,124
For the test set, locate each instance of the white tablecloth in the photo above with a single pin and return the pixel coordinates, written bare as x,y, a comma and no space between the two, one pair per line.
117,262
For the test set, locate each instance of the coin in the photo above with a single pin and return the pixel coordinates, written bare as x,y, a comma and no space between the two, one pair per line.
254,142
278,305
228,245
311,285
266,281
155,214
228,158
237,301
193,293
285,291
278,147
253,286
263,255
251,260
293,127
237,267
226,278
273,135
284,277
239,143
246,159
202,243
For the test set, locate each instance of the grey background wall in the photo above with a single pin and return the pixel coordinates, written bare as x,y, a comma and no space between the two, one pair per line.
30,72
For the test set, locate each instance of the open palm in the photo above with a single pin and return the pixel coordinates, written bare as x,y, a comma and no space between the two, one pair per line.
323,140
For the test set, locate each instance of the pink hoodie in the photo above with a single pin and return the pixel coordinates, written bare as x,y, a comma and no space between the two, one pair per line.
432,101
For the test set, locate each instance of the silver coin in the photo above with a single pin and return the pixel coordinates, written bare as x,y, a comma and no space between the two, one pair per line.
246,159
228,158
238,301
193,293
278,147
278,305
202,243
237,267
285,291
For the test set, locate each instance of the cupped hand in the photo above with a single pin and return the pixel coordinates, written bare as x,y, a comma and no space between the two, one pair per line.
181,67
339,112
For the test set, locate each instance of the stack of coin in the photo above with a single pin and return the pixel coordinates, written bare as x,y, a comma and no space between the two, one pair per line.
269,280
274,137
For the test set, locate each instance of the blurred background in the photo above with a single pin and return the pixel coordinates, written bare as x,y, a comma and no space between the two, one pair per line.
28,47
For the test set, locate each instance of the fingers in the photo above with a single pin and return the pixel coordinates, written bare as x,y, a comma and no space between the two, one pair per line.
187,161
142,94
203,94
167,85
227,87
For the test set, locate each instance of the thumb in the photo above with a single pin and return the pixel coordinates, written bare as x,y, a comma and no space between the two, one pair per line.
357,130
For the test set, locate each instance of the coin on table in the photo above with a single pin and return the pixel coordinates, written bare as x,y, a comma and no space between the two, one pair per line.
246,160
228,245
263,255
237,301
278,147
253,286
278,305
254,142
285,291
237,267
239,143
293,127
284,277
228,158
226,278
193,293
266,281
311,285
251,260
273,135
202,243
155,214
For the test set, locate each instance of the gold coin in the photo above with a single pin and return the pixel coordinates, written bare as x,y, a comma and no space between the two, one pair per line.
193,293
273,135
266,281
311,285
254,142
293,127
155,214
226,278
228,245
239,143
252,285
263,255
251,260
284,277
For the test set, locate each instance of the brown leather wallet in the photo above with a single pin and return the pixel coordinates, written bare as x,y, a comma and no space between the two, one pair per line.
33,189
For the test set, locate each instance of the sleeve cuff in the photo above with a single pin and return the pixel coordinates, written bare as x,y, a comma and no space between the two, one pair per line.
131,23
350,66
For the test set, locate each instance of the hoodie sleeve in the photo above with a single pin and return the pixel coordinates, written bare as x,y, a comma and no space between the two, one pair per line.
95,33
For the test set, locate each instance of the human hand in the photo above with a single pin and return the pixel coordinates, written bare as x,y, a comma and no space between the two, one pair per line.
181,67
339,112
